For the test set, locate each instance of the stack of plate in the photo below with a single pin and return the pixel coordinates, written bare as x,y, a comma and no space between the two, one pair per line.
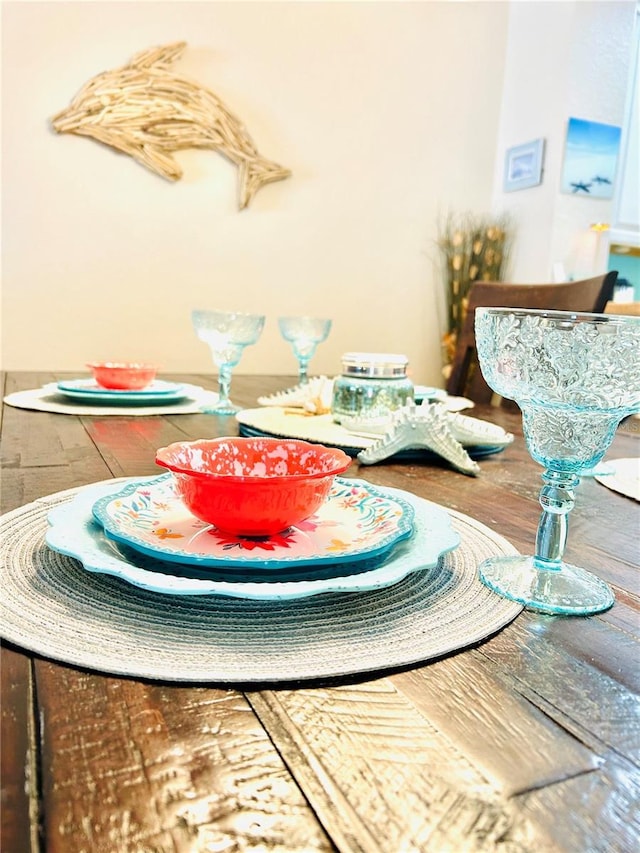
363,537
88,391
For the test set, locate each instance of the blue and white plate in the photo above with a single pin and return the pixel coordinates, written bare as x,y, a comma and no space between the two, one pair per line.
74,532
89,391
357,521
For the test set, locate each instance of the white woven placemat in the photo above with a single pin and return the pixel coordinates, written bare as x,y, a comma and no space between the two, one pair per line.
52,606
49,399
623,476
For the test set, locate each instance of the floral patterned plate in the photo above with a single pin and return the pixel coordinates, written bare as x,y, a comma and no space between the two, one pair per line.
356,521
74,532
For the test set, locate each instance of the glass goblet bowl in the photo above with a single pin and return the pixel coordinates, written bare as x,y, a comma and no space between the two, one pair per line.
227,333
575,377
304,334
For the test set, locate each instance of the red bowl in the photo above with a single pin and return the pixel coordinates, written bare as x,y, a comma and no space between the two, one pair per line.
123,376
252,486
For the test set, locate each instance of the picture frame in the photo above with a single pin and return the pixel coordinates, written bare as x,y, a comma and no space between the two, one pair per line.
590,158
523,166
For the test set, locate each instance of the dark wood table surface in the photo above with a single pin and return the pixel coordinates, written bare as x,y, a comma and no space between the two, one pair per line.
529,741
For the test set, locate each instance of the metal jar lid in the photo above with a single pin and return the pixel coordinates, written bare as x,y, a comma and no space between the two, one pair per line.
383,365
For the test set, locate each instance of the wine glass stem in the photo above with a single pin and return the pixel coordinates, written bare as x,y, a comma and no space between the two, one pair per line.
224,380
303,376
556,500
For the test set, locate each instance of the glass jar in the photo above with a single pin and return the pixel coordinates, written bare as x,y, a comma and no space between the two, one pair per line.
371,385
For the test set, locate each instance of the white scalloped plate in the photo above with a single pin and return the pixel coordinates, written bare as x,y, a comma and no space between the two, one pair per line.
322,429
74,532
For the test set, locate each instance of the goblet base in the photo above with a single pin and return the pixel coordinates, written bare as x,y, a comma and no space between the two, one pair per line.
221,409
567,589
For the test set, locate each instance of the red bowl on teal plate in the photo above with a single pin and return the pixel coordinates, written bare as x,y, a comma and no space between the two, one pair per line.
252,486
123,375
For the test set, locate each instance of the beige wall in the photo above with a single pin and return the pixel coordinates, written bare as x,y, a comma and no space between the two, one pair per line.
387,114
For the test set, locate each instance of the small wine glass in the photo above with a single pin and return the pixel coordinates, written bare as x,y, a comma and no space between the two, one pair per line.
227,333
575,377
304,334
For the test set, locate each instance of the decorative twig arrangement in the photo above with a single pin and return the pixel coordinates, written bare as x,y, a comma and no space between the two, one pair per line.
147,111
474,247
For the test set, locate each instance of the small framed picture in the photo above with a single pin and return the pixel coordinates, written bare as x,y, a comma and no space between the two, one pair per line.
523,166
590,158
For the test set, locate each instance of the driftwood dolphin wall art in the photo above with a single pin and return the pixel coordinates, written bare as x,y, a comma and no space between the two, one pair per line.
147,111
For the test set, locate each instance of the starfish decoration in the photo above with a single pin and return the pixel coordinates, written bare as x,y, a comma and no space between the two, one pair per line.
430,426
311,398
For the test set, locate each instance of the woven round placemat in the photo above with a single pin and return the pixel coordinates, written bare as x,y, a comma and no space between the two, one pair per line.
47,399
52,606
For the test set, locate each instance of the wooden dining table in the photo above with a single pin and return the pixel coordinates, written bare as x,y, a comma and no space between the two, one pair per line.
526,741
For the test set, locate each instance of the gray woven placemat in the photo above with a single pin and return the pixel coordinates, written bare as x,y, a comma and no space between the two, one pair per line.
52,606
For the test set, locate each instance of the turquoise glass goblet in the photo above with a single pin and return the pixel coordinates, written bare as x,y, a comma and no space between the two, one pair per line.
575,377
304,334
227,333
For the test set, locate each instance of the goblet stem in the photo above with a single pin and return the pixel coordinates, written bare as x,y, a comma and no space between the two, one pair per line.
224,403
545,582
557,501
303,367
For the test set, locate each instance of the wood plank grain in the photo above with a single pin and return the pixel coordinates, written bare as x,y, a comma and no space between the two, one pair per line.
416,792
18,756
581,672
382,778
625,614
128,445
595,813
130,766
513,744
26,447
42,453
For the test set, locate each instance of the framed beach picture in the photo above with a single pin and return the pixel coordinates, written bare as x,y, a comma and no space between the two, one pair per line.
523,166
590,158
